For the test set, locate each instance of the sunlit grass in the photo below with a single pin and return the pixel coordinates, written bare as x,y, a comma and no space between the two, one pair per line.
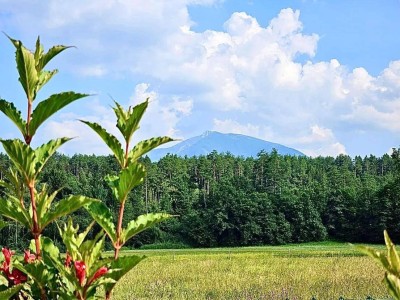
287,272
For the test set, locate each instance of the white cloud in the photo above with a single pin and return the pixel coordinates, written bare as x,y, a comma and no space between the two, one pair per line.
245,79
231,126
327,150
161,118
320,142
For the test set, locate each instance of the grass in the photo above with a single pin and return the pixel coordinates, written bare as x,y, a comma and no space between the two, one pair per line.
308,271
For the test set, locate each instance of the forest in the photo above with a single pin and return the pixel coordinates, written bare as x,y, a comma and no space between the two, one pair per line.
221,200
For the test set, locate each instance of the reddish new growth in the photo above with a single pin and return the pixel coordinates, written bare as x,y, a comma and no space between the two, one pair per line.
15,276
80,270
68,260
29,257
100,272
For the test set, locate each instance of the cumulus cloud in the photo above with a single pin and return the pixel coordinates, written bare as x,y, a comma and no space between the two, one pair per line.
246,78
161,119
231,126
322,141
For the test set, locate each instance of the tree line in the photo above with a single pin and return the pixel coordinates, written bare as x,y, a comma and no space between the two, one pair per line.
223,200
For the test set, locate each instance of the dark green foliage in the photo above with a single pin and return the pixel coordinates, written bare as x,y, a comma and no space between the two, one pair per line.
223,200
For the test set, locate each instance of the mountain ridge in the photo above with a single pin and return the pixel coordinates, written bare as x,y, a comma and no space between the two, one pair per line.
234,143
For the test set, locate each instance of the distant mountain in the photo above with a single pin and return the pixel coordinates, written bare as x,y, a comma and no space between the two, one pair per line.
236,144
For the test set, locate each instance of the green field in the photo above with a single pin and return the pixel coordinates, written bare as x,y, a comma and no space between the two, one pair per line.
308,271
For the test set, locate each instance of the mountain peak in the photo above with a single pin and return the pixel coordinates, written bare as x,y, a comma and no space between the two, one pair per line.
236,144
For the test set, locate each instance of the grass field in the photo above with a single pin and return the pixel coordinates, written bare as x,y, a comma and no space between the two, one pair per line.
308,271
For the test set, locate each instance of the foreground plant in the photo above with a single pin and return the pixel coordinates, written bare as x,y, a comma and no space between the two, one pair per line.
131,175
45,273
390,261
29,162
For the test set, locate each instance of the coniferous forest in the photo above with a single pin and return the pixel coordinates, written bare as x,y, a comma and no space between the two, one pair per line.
221,200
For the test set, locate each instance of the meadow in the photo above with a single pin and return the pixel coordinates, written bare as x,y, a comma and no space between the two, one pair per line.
305,271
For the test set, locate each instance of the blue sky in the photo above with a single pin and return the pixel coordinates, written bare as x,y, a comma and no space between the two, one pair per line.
319,76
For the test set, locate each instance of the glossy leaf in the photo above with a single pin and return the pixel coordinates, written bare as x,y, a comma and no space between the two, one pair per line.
44,77
43,202
102,215
143,222
26,66
129,178
121,266
30,162
11,208
36,270
379,256
145,146
110,140
51,53
112,182
7,294
14,185
50,106
14,115
51,257
69,234
22,156
393,284
64,207
45,151
128,121
392,255
91,251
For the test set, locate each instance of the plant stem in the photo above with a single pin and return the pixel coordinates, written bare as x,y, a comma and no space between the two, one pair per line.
108,295
119,229
35,229
28,138
126,155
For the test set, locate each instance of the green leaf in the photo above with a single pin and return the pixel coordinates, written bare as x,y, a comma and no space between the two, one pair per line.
14,115
7,294
44,77
64,207
145,146
112,181
393,256
102,215
53,51
393,284
22,156
26,66
143,222
38,52
14,184
128,121
11,208
120,267
50,106
6,185
91,251
81,236
51,257
43,202
38,271
69,236
379,256
129,178
110,140
45,151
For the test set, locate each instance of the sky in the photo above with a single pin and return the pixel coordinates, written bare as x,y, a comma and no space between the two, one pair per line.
320,76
